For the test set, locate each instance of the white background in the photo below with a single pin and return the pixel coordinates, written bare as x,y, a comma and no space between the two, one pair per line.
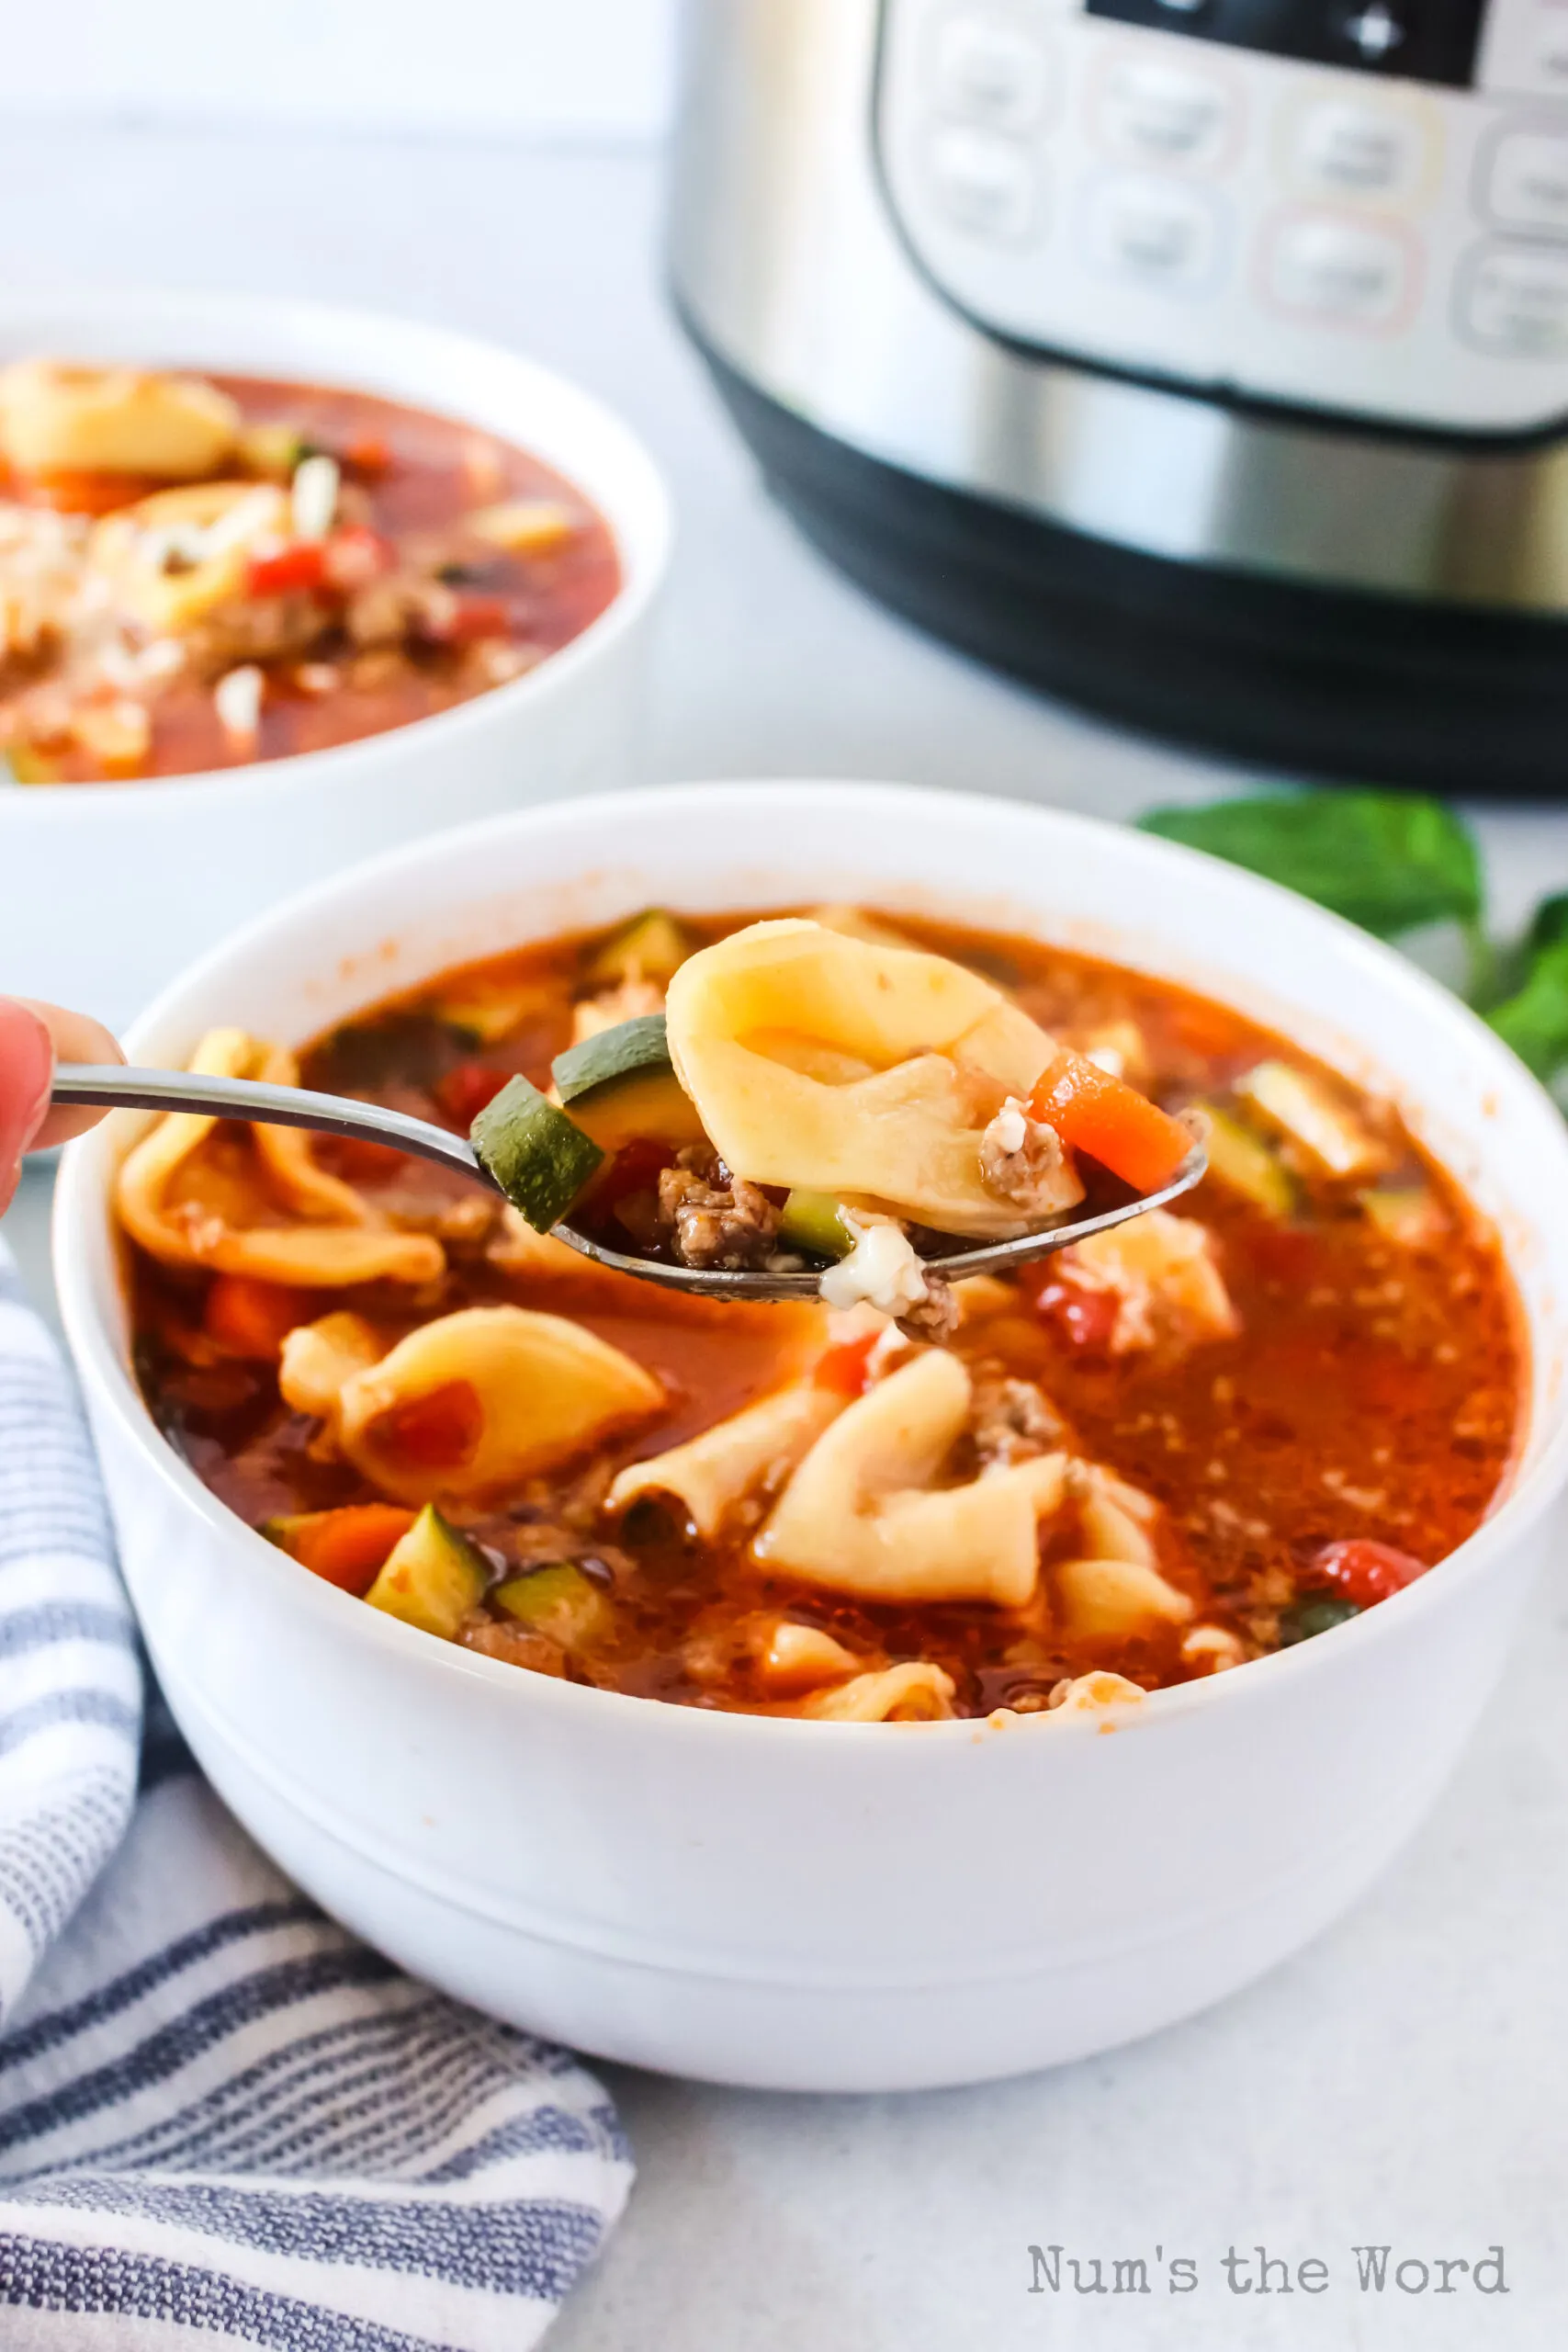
574,68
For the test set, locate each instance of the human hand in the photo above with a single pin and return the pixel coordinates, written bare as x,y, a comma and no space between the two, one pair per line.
32,1038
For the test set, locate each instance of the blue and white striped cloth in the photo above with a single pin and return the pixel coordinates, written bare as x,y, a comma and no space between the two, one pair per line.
220,2115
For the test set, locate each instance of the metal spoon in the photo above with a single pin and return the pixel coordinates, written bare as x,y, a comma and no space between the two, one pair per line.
336,1115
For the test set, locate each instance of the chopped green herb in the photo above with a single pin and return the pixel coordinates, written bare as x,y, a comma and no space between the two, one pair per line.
1534,1020
560,1600
1384,860
1549,924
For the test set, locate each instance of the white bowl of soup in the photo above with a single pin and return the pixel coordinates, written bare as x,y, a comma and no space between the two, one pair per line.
280,585
631,1760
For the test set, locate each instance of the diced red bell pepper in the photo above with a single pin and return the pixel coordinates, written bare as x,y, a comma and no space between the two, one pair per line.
1363,1571
476,615
847,1368
1083,1318
465,1092
301,566
636,1167
435,1432
356,1160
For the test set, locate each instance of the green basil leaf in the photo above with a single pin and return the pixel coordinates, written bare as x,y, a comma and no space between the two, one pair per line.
1549,924
1534,1020
1386,861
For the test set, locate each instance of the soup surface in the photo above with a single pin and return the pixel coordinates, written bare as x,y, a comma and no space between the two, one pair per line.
230,569
1272,1411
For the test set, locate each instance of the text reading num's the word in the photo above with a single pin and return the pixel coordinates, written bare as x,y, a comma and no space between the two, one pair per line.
1370,2269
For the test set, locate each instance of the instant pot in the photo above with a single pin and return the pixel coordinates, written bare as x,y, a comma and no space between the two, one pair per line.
1203,360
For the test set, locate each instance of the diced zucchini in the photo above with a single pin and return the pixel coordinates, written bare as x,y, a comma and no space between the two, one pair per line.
1405,1214
562,1601
433,1577
815,1221
1302,1109
621,1084
652,946
285,1526
1243,1163
1311,1613
540,1158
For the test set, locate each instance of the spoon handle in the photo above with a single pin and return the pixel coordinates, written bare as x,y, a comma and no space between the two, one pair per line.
337,1114
279,1106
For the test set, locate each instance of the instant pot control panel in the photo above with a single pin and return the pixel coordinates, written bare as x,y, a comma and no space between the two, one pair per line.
1358,206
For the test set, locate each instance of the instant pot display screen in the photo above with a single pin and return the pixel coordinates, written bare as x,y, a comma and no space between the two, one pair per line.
1355,207
1425,40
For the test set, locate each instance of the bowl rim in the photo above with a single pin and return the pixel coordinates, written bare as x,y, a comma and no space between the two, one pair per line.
80,1198
643,570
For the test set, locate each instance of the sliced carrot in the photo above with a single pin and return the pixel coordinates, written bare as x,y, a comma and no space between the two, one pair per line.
250,1318
75,490
349,1547
845,1367
438,1431
1095,1113
368,453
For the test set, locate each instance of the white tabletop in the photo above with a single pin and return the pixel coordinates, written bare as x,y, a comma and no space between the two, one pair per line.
1403,2083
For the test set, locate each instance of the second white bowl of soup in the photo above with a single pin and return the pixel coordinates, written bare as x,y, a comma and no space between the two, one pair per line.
282,586
682,1783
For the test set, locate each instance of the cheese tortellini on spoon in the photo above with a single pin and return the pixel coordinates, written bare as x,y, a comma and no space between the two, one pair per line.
867,1072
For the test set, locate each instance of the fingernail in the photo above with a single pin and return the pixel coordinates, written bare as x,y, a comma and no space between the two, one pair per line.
26,1074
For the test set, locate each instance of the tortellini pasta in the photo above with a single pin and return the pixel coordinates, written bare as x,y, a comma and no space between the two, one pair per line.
718,1469
1116,1588
174,558
189,1204
506,1392
843,1066
57,415
1090,1694
1162,1273
318,1358
861,1515
804,1657
916,1692
1111,1599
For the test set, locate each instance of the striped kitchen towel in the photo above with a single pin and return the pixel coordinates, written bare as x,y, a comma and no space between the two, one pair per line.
219,2116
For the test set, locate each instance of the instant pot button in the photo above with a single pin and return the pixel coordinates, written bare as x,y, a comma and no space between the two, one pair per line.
1159,113
1156,231
1344,273
986,185
991,72
1345,150
1514,301
1527,186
